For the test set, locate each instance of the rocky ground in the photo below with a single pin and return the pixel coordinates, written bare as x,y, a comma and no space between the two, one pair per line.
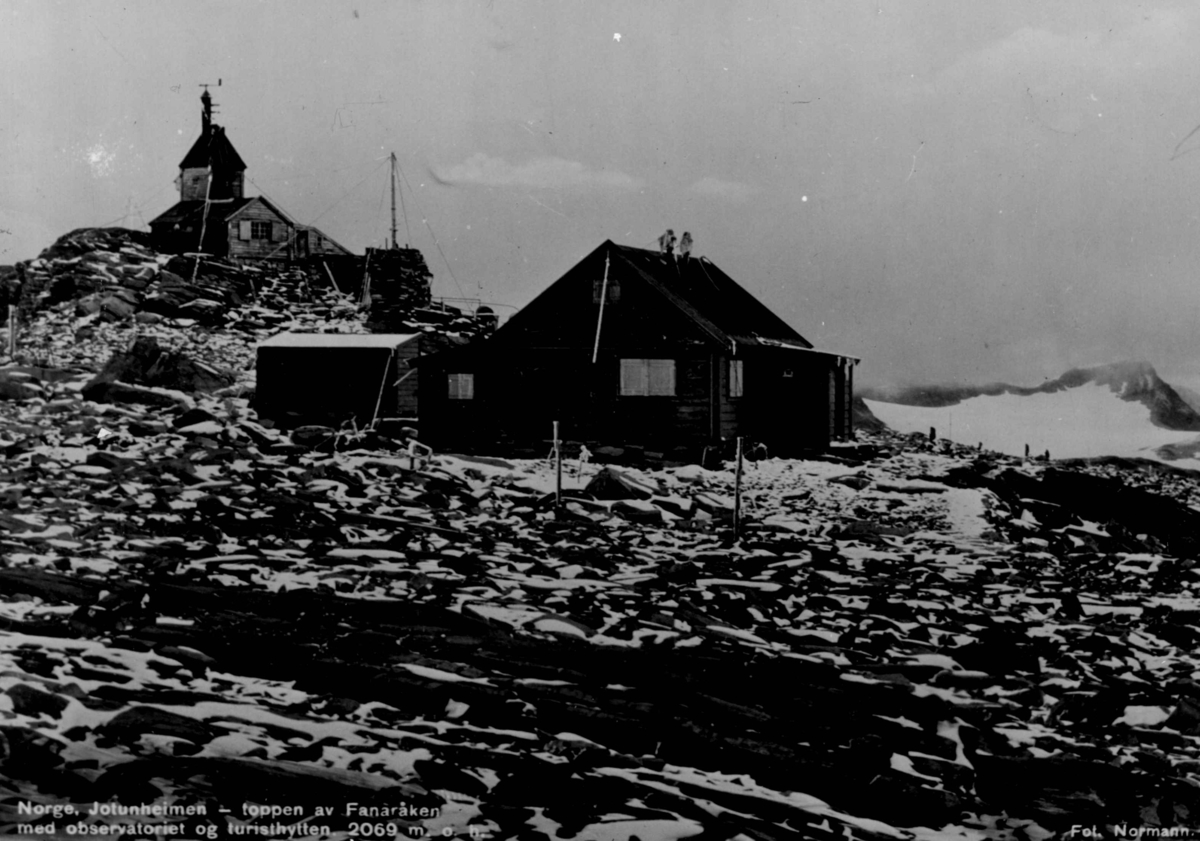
254,633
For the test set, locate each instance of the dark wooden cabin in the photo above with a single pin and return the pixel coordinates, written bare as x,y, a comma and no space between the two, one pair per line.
644,349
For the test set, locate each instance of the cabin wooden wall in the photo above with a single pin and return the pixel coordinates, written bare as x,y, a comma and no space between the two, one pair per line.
277,246
729,407
787,402
187,238
193,183
518,395
194,186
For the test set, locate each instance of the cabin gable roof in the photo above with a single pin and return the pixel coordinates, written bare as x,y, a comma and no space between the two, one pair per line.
192,211
714,305
315,230
711,297
240,209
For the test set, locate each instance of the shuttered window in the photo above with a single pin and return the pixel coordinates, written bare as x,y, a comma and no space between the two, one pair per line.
647,377
635,378
736,381
462,386
245,229
662,377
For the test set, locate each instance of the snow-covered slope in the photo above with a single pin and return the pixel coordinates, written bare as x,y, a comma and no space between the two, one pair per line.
1119,410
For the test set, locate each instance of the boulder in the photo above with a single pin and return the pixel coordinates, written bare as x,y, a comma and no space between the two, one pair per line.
116,392
133,723
146,364
851,480
116,308
110,461
715,505
203,310
693,474
259,434
26,700
87,306
611,483
638,511
192,416
18,386
314,437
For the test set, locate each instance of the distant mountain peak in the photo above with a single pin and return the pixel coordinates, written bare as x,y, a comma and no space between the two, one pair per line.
1131,380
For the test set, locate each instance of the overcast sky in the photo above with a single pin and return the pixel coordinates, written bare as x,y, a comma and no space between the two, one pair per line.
949,189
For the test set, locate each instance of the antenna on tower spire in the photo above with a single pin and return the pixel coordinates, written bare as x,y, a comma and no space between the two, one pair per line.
206,100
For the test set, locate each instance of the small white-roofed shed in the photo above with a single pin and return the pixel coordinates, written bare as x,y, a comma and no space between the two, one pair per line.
331,377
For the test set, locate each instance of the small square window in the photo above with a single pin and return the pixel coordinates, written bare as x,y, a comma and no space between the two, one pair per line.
611,294
260,230
647,377
462,386
737,383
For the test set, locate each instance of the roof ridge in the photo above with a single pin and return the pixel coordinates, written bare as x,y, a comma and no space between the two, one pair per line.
719,304
686,307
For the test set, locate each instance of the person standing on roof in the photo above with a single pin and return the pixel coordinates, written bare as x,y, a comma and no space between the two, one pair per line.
685,245
666,243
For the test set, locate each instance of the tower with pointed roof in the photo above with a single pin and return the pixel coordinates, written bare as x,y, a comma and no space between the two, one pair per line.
212,168
214,216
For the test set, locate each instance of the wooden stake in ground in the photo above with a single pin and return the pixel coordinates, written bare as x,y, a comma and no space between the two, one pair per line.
557,469
737,492
12,331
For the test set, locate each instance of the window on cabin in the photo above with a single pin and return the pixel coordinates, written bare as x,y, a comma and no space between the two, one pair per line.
610,295
647,377
244,230
260,230
737,383
788,373
462,386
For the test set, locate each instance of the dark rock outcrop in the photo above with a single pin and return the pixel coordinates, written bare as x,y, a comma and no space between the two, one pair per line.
146,364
